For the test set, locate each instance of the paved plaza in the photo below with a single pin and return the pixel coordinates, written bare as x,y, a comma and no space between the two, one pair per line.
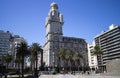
77,76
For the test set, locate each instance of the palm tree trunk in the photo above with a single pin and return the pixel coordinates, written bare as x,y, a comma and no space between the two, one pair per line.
19,68
31,65
22,66
36,66
70,65
63,65
59,64
78,64
7,66
78,67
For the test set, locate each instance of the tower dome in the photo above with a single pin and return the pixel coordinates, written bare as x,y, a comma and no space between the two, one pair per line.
54,5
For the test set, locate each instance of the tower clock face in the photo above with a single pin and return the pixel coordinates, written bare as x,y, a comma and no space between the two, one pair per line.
54,13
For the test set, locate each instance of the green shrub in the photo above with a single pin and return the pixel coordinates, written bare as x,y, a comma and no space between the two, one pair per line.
97,71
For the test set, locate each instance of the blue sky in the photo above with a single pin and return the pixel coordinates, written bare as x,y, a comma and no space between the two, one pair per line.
83,18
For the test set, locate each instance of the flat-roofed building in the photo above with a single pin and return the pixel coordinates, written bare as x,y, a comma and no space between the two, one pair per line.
92,59
109,43
4,42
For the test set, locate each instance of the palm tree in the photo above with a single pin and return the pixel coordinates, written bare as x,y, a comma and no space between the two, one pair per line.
68,57
61,55
17,61
22,52
31,60
8,59
35,48
76,57
59,58
97,51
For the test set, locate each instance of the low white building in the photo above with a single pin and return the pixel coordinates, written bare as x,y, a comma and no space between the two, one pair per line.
92,59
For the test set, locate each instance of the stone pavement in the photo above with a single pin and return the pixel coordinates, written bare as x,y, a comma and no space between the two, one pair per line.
77,76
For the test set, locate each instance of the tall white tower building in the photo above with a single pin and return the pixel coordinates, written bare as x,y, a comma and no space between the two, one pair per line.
54,23
55,39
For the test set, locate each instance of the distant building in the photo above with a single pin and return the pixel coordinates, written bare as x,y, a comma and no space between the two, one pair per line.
16,41
8,45
109,42
5,38
4,42
55,39
92,59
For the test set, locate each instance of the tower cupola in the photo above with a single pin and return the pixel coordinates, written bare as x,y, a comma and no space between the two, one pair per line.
54,5
54,15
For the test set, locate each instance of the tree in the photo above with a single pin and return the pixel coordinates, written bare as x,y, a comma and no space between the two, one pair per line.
61,55
22,52
17,61
8,59
59,62
35,49
76,57
97,51
68,57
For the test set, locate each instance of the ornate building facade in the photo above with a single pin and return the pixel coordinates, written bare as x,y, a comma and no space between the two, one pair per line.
55,39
